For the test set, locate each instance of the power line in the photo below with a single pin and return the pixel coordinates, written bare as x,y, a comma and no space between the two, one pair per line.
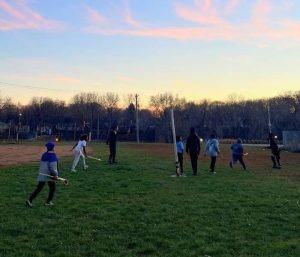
5,84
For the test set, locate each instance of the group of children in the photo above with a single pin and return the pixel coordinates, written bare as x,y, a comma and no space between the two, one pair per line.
48,169
212,149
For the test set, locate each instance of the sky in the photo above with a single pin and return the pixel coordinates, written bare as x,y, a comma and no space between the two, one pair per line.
196,49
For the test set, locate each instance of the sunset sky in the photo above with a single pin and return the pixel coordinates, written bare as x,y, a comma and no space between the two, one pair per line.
194,48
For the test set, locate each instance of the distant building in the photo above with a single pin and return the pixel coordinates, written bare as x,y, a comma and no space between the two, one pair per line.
291,140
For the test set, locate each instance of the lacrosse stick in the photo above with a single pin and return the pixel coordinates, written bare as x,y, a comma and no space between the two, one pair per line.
94,158
65,181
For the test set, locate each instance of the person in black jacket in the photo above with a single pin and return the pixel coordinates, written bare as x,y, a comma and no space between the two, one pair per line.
275,157
193,149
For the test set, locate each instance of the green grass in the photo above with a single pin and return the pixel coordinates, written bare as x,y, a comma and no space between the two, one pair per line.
134,208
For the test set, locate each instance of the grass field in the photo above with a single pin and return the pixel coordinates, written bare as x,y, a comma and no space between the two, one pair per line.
134,208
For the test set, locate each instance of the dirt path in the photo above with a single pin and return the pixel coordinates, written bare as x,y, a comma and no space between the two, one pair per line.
20,154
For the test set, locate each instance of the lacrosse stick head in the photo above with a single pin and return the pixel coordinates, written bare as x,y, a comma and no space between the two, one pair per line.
65,182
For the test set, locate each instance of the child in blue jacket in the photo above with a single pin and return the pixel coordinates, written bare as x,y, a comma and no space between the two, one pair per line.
212,148
48,166
237,150
180,149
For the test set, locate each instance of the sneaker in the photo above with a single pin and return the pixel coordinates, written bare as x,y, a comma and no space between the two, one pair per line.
85,167
28,204
72,170
49,204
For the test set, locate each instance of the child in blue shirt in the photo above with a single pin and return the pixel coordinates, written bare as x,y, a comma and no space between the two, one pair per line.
180,149
237,154
48,166
212,148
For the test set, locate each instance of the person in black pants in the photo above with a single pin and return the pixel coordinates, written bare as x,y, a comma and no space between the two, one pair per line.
193,148
275,157
112,142
180,150
48,167
212,148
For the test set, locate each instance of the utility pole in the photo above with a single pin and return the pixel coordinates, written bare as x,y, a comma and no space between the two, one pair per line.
269,119
137,119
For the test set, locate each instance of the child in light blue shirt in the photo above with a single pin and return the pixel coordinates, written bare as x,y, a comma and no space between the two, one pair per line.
180,150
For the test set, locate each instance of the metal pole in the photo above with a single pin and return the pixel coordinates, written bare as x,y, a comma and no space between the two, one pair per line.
269,118
174,143
137,119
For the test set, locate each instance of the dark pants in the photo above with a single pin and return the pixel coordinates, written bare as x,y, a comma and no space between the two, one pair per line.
40,186
112,154
180,159
275,158
213,160
240,159
194,159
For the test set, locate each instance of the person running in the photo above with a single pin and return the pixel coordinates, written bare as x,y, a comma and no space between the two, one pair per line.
48,166
237,150
275,152
212,149
80,152
180,150
193,148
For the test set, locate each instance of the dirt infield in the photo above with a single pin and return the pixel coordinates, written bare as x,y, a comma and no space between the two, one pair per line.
258,159
20,154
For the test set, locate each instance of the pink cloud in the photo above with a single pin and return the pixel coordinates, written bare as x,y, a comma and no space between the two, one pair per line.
210,24
262,8
128,16
203,11
94,16
20,16
232,6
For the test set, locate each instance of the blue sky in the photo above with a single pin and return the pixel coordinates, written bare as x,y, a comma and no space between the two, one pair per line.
194,48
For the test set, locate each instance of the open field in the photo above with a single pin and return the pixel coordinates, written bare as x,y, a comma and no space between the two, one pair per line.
134,208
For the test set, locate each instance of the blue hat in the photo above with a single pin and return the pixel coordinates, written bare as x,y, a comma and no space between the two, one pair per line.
50,146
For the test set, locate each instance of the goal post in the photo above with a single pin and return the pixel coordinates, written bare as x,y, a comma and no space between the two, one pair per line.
174,143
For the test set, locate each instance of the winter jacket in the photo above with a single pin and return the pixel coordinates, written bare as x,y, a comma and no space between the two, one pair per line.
237,149
48,165
212,147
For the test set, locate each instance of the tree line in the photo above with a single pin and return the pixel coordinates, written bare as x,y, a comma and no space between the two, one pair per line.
95,114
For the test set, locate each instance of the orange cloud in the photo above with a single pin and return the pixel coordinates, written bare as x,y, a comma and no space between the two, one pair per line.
20,16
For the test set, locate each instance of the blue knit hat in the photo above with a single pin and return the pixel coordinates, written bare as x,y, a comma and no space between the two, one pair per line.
50,146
